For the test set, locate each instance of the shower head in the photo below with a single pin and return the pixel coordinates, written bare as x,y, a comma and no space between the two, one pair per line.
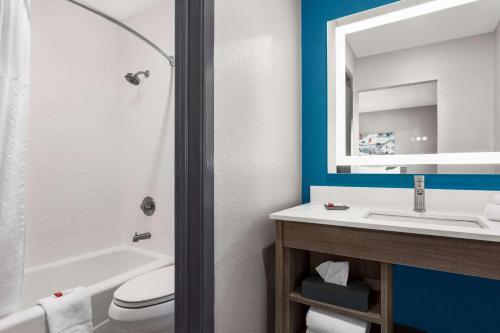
134,78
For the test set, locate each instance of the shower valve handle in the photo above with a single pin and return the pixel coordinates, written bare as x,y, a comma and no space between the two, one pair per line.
148,206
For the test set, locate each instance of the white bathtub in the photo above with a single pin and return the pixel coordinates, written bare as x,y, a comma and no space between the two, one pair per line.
101,272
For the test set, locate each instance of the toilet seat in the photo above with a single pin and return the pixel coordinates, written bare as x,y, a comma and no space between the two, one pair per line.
138,305
145,304
153,288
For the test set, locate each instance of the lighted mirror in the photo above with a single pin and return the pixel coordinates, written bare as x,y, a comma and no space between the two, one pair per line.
414,87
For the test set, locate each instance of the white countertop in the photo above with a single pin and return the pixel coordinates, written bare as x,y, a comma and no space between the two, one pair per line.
355,218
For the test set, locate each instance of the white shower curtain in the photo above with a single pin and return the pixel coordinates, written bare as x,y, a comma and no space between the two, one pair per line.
14,84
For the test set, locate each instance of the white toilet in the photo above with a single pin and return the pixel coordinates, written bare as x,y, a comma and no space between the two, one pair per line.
145,304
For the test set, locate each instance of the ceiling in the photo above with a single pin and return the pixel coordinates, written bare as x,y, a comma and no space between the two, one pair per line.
121,9
457,22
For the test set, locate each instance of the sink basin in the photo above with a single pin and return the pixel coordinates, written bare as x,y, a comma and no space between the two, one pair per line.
427,218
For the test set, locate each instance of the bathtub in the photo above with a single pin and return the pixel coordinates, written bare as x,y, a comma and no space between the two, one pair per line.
102,272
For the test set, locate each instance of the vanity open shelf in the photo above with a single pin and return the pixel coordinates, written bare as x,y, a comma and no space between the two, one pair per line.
301,263
373,315
298,310
360,270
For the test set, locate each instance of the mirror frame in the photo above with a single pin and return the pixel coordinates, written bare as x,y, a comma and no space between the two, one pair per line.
336,64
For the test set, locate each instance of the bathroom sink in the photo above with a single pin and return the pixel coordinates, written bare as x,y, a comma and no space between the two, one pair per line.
427,218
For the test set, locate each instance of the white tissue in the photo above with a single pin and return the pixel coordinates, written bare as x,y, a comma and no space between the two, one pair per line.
334,272
496,199
492,212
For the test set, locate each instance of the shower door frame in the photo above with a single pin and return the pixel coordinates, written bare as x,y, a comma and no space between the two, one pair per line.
194,174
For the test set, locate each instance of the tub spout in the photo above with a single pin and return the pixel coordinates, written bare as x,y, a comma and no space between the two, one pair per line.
139,237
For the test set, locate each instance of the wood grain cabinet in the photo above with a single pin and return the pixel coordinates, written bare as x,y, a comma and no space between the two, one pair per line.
300,247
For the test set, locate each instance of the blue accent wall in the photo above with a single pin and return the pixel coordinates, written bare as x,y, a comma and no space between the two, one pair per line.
435,301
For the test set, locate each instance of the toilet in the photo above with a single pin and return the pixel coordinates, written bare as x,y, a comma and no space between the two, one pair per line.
145,304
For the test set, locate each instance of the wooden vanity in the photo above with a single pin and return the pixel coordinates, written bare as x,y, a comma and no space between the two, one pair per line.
302,245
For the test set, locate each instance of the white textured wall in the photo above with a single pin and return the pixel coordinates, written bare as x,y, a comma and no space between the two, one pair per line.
257,151
97,144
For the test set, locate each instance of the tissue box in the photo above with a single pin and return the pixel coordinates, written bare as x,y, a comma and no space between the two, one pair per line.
356,295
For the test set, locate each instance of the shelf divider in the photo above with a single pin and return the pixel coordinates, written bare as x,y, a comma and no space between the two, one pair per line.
373,315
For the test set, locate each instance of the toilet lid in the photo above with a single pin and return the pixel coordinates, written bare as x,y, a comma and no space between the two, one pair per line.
148,289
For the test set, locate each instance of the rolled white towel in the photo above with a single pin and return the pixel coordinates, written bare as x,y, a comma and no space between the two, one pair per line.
68,312
322,321
308,330
492,212
334,272
496,199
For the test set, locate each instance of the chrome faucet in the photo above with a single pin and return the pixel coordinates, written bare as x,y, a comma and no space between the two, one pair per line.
419,194
138,237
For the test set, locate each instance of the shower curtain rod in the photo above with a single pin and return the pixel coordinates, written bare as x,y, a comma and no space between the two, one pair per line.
170,58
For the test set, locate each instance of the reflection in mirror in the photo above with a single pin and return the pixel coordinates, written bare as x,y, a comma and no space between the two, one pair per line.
425,84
